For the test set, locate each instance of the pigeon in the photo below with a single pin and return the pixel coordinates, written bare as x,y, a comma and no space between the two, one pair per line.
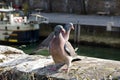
56,46
68,47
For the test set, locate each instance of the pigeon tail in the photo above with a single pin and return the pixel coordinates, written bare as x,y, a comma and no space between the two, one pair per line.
76,59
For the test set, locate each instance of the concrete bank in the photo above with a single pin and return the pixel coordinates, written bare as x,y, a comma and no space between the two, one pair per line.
36,67
99,38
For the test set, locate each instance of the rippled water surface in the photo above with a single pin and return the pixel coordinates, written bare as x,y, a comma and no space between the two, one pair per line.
99,52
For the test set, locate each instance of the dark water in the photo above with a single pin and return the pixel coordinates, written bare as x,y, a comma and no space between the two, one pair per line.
99,52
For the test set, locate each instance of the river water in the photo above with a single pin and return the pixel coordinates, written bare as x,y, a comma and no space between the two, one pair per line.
98,52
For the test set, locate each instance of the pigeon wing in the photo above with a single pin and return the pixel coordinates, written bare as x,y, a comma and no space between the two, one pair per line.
69,49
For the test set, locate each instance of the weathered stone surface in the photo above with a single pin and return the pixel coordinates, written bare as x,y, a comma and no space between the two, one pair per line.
37,67
10,50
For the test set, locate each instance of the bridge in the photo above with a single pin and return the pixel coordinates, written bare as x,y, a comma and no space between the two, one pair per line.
94,20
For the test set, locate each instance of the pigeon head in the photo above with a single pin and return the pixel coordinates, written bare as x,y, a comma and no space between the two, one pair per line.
69,26
58,29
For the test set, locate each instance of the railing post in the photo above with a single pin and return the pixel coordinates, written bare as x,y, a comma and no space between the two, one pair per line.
77,33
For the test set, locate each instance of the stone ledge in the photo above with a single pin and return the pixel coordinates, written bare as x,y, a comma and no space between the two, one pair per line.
23,66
